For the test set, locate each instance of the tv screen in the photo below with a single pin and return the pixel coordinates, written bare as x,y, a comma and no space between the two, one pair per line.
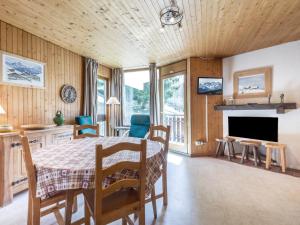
261,128
210,86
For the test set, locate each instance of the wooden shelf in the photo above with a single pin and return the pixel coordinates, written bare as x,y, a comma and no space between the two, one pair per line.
279,107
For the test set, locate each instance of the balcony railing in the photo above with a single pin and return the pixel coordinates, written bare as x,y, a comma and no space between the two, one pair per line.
176,121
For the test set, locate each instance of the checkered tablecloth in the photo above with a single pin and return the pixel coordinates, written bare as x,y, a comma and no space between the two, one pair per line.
72,165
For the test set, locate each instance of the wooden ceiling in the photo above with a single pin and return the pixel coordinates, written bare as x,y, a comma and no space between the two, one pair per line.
126,33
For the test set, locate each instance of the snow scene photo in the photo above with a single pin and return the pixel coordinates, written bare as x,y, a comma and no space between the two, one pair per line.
23,72
210,86
252,84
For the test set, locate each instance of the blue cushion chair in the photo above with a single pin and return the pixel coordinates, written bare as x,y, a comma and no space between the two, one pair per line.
85,120
139,125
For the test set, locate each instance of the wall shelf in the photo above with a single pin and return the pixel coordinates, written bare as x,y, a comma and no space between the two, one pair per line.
279,107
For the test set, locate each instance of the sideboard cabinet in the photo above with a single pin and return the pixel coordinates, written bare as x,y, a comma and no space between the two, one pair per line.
13,177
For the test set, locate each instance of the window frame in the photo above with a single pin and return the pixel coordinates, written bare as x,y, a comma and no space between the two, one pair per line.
107,80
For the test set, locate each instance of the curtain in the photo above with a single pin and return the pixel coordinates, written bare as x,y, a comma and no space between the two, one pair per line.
90,89
117,91
154,95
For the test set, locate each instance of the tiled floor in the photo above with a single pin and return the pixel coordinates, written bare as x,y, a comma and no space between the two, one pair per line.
208,191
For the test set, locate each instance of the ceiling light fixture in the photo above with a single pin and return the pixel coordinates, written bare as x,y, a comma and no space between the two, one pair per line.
171,15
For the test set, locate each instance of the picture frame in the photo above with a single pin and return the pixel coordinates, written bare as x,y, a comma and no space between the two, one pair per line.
21,71
252,83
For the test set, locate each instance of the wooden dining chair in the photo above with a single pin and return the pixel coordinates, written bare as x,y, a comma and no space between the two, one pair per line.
160,134
36,204
83,131
122,198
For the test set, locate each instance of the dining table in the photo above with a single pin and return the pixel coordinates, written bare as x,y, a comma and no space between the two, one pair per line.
71,166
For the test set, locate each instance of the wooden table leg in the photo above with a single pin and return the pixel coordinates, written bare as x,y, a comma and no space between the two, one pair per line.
69,205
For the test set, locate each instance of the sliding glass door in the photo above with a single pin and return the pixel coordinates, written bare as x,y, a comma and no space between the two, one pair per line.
173,105
101,104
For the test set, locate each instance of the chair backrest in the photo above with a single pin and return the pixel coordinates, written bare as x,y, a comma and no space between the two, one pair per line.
102,173
139,125
30,169
78,128
160,134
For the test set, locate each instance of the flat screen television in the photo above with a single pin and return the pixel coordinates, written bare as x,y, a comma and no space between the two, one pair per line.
261,128
210,86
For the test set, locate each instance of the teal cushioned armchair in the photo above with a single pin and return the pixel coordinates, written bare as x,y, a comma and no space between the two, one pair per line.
140,125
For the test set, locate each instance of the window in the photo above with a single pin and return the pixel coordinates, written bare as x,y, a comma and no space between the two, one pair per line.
136,97
101,104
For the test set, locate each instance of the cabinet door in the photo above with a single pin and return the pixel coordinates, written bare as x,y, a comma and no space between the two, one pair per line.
62,138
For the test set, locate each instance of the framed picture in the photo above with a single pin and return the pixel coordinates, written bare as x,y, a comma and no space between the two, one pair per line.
252,83
20,71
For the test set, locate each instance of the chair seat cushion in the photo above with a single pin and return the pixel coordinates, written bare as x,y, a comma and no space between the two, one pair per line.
114,201
85,120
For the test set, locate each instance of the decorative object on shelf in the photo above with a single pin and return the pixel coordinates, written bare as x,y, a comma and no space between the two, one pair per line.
171,15
269,98
37,126
253,83
231,101
68,93
20,71
59,118
281,98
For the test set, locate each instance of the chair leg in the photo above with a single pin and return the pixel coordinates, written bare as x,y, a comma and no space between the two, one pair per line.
124,222
29,212
68,209
36,212
164,184
244,154
87,215
233,151
75,205
229,151
153,199
142,216
218,149
283,160
268,158
255,155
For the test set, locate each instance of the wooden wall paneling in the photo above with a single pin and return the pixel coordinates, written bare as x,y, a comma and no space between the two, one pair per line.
200,67
173,68
32,105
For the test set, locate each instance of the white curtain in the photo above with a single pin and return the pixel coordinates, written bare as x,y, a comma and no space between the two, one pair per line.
117,91
154,95
90,89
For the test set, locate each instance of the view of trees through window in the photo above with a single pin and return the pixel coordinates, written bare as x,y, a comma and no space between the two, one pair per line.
174,95
101,104
136,97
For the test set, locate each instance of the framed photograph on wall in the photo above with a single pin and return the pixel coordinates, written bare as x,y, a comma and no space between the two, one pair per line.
20,71
252,83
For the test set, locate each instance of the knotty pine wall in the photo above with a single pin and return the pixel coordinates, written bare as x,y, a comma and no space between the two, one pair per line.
32,105
198,67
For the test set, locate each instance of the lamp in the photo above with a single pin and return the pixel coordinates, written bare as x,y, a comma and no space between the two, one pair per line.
2,111
4,127
113,101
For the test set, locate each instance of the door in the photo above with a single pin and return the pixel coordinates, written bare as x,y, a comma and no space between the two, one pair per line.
101,104
173,113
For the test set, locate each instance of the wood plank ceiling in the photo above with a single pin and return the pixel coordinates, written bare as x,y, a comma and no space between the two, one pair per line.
125,33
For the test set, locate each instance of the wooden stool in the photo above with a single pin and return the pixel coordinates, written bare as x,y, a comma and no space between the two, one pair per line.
222,145
281,149
247,145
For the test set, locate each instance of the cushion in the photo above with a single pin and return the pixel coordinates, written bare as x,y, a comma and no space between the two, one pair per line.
85,120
